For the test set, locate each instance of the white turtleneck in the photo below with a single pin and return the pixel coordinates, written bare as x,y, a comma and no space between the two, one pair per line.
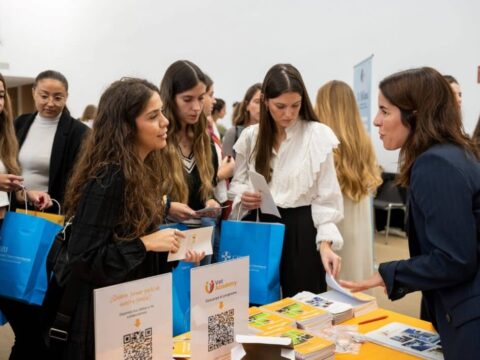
36,151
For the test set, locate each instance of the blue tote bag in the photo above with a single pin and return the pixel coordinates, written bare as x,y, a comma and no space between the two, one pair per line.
25,241
180,290
263,243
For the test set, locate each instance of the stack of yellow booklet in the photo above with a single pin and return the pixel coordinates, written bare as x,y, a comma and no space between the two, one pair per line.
306,345
307,317
260,320
181,346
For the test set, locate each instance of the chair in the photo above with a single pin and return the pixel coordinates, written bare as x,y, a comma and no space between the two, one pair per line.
389,197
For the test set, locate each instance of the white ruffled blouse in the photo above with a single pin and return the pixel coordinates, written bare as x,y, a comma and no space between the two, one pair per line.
303,174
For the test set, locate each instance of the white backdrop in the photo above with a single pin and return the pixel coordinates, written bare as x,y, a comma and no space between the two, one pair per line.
94,42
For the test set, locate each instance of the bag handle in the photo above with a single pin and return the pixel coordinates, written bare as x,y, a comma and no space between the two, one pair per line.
24,198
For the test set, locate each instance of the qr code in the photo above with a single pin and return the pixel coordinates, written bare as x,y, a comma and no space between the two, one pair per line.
220,329
138,345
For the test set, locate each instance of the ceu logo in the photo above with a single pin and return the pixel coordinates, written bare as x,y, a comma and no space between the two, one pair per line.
209,286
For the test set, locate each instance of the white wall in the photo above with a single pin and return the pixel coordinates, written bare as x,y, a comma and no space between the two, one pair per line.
235,42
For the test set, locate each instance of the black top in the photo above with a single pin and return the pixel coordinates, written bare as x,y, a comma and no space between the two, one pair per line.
66,145
194,182
101,260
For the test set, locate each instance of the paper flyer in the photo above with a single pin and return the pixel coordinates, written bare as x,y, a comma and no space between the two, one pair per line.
260,184
134,319
199,239
219,308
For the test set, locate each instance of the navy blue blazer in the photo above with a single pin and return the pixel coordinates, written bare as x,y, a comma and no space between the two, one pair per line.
443,235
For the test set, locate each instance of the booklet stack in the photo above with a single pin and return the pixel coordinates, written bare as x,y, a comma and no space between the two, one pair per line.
181,346
361,303
340,311
306,316
306,346
422,343
260,320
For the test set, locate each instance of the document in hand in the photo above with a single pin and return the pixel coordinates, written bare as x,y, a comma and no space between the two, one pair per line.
209,210
199,239
361,303
405,338
260,184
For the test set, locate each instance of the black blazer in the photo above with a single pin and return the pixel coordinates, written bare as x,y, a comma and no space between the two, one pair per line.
66,145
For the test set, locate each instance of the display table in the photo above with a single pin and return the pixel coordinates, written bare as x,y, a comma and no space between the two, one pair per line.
372,351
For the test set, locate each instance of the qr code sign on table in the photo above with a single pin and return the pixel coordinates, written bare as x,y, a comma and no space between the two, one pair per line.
220,329
138,345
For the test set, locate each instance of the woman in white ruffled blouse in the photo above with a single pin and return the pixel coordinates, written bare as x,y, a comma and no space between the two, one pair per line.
293,151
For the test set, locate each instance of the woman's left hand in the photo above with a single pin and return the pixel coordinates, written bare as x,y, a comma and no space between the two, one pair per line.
354,286
331,261
194,257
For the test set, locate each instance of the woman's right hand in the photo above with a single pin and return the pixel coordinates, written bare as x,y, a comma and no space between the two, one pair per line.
10,182
40,199
180,212
166,240
251,200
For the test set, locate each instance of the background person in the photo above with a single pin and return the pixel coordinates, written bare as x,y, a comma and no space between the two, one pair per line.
358,174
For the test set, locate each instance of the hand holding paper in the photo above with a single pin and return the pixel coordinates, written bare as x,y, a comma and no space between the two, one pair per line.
209,211
198,240
260,184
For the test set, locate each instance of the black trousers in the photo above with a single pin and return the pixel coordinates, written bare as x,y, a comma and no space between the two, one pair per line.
301,267
26,323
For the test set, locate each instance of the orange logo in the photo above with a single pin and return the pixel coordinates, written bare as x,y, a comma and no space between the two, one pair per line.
209,286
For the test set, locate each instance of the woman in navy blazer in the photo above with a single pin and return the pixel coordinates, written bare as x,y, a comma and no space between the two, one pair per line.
439,165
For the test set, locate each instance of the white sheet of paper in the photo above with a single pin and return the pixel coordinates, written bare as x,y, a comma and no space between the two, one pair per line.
332,283
260,184
198,240
134,314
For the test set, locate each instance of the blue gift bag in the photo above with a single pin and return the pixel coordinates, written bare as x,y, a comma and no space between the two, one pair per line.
25,241
180,290
263,243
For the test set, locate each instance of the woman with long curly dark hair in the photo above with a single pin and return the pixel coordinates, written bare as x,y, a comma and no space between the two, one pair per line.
115,196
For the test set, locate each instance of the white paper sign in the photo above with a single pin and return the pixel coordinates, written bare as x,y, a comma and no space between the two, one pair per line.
260,184
199,239
134,317
219,308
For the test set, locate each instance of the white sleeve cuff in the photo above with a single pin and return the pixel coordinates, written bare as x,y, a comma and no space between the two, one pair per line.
329,232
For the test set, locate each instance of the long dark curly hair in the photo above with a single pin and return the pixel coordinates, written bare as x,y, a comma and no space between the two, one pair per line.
112,142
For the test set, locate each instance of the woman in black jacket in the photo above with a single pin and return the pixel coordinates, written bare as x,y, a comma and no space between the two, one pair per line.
49,142
115,195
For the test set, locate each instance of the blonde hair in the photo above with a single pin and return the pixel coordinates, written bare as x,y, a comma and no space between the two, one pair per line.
89,113
355,161
8,140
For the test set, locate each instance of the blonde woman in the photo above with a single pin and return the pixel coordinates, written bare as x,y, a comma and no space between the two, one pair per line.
358,174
